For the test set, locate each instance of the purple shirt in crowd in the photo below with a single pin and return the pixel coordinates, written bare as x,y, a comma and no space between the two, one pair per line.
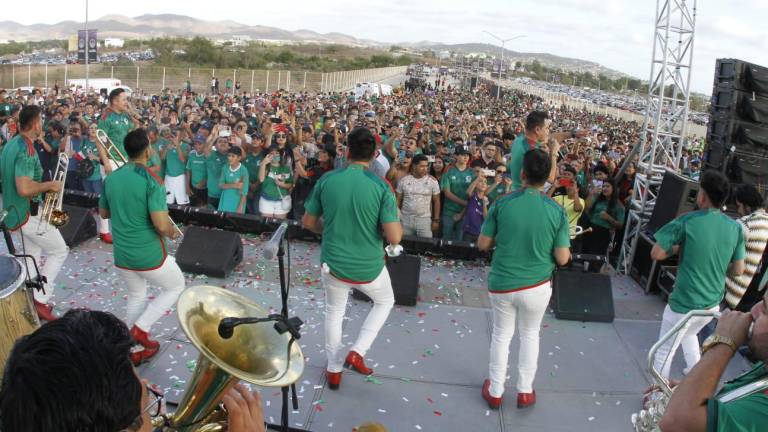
473,218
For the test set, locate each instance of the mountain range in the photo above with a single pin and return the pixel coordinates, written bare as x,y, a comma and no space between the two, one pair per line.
149,26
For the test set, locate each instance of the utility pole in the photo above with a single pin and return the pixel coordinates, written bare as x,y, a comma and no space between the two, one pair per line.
501,62
87,67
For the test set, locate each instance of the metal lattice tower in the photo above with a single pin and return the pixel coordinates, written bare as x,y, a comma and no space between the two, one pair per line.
666,119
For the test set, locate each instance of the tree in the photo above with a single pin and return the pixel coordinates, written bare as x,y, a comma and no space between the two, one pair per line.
200,51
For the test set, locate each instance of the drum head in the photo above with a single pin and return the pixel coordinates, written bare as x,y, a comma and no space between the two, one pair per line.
10,275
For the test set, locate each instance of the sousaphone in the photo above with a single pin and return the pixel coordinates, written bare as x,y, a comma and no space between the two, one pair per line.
256,353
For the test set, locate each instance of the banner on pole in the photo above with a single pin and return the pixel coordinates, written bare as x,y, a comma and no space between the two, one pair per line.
92,44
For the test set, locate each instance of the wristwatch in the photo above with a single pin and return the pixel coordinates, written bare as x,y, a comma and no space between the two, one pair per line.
716,339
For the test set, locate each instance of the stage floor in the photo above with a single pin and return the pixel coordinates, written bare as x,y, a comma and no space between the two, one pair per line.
430,360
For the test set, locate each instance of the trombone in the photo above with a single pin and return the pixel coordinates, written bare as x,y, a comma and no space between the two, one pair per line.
52,212
113,152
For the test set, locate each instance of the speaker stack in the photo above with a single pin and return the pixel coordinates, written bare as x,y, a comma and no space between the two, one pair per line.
737,135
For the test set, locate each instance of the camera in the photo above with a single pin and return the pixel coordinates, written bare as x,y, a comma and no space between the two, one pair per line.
488,172
225,131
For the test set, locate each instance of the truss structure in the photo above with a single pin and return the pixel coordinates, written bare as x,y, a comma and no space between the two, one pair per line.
666,119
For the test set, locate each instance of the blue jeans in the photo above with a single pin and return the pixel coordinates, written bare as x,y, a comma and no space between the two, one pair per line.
451,228
93,186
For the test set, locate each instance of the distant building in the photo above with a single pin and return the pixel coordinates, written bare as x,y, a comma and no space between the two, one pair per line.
113,43
239,40
444,55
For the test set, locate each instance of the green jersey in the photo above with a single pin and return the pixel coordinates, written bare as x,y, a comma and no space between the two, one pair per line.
131,194
709,241
520,146
174,167
457,181
602,206
117,126
88,148
269,189
747,414
214,163
527,226
196,166
230,198
354,203
19,160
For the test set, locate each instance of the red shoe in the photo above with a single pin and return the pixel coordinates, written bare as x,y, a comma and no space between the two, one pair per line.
493,402
141,337
45,311
106,238
524,400
355,361
143,356
334,379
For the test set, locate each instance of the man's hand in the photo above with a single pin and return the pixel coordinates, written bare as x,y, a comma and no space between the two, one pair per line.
605,216
734,325
554,146
435,226
245,410
54,186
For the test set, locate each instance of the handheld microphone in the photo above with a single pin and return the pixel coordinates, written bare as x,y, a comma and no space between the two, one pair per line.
270,249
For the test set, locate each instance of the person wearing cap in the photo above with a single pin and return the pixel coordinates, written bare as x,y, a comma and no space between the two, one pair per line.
215,161
351,208
175,156
454,184
233,183
197,174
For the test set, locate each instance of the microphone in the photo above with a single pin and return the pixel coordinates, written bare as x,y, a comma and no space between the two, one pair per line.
270,250
227,327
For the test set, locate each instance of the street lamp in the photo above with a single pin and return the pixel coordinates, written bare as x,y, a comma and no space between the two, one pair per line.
503,41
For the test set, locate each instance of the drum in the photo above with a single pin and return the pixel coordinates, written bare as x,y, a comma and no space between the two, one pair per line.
17,312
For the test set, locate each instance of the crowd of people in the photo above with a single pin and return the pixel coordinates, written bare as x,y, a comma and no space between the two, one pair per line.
510,174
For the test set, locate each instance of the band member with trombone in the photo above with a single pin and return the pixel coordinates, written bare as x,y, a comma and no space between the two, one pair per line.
117,120
22,187
531,235
134,199
710,244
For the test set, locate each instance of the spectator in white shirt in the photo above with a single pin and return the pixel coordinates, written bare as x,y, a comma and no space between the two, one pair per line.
418,197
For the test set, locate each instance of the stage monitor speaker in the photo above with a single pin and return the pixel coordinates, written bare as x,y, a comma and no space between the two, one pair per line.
677,195
81,226
582,296
404,271
213,253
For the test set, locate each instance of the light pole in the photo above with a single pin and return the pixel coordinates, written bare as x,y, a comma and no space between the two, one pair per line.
503,41
87,40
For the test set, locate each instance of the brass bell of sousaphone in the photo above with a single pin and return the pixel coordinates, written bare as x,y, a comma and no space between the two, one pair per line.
256,353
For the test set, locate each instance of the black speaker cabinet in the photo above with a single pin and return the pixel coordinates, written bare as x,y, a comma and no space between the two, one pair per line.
213,253
81,226
582,296
676,196
404,271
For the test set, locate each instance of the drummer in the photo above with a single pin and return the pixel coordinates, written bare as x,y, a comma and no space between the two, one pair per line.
22,188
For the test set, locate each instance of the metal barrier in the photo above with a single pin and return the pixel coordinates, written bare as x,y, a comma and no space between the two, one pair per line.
152,79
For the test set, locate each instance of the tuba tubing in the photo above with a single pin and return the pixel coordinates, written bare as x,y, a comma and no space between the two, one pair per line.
52,213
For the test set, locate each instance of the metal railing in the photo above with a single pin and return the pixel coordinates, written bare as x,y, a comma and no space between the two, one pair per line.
152,79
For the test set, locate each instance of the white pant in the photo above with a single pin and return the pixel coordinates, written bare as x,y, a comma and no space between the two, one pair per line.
52,244
168,277
336,293
688,339
526,310
268,207
176,190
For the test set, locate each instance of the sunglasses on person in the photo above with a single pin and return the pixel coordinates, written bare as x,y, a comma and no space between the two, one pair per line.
280,135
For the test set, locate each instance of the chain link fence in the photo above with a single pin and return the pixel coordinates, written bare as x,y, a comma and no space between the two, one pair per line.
152,79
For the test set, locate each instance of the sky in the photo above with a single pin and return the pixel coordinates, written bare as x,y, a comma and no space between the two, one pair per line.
615,33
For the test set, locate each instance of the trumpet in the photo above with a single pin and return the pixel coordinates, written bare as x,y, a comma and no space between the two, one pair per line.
52,212
114,153
256,354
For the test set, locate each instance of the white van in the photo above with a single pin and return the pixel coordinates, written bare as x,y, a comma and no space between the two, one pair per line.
365,89
100,85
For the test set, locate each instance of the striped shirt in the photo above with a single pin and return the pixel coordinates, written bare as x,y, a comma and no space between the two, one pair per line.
755,227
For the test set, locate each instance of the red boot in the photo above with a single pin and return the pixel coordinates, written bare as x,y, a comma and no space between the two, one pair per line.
355,361
106,238
493,402
142,356
45,311
334,379
142,337
525,400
